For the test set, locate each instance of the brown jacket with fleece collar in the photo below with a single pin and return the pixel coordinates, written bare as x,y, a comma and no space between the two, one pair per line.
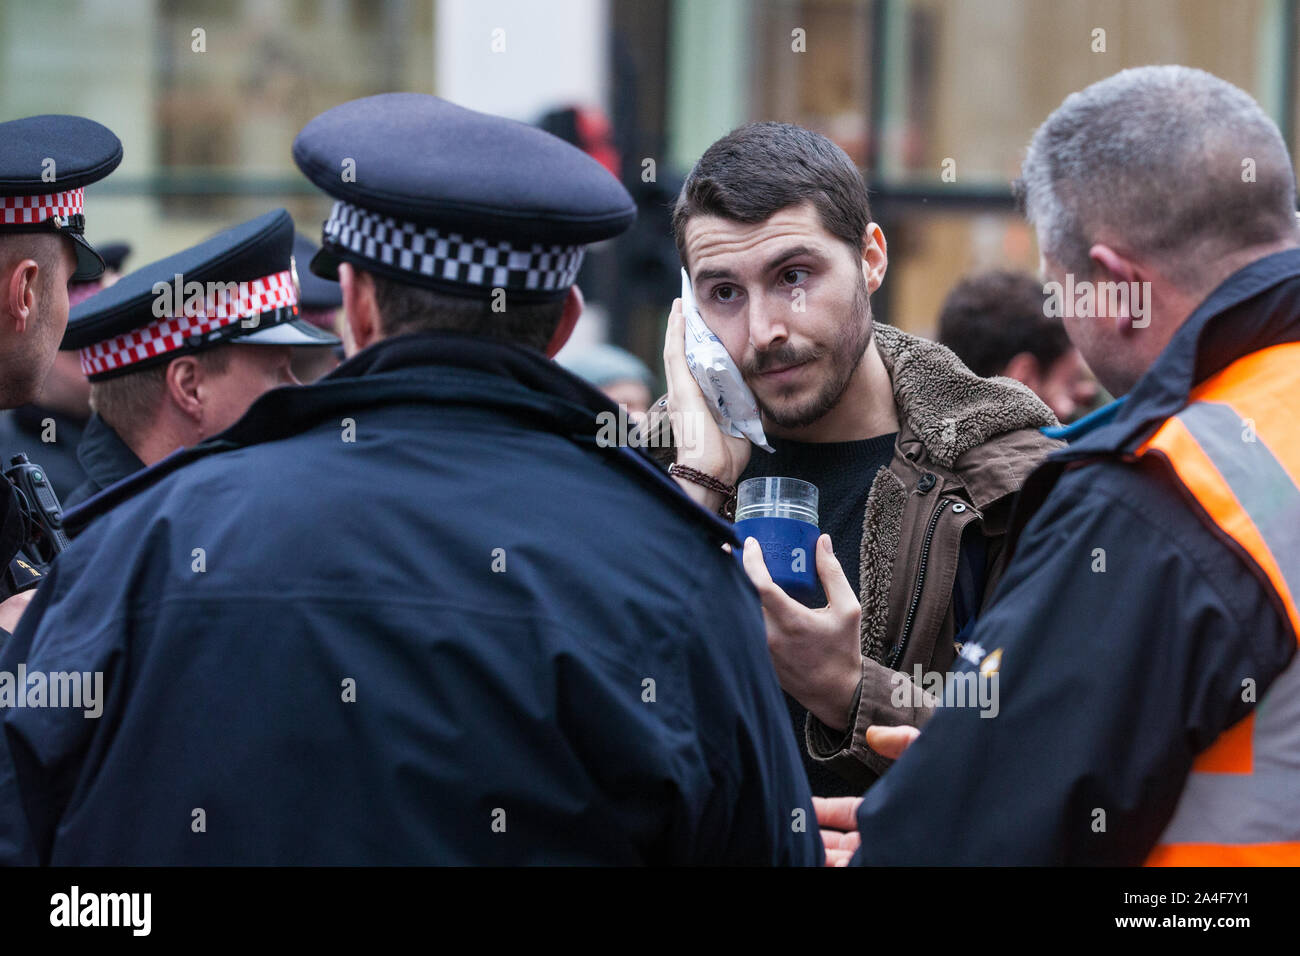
965,445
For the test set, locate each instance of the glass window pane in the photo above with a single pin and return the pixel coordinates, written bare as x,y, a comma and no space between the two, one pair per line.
971,81
207,97
819,78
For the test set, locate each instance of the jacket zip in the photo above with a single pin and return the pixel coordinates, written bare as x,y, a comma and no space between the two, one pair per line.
895,657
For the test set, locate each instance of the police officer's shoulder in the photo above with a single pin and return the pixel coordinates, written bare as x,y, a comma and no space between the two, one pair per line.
238,286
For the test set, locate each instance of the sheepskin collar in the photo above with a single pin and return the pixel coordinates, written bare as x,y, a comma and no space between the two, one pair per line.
945,405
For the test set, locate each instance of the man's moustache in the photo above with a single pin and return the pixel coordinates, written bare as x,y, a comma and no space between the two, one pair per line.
777,360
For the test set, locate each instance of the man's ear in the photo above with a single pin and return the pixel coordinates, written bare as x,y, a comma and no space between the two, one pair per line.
20,293
184,377
1024,368
875,256
360,310
573,306
1112,266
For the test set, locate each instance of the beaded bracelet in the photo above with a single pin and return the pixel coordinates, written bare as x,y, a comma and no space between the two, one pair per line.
697,477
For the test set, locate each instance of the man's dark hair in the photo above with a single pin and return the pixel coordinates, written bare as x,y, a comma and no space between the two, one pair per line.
990,318
407,308
762,168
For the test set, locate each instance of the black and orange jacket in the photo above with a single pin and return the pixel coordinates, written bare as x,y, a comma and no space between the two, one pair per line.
1144,634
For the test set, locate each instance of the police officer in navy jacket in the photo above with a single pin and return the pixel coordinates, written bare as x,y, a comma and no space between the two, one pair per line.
179,349
46,162
462,646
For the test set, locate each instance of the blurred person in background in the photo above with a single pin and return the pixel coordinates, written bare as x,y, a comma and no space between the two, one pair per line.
589,129
320,303
996,323
626,280
623,377
115,255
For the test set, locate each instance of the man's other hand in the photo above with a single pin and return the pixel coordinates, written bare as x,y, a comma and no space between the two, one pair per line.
815,651
838,819
890,742
11,610
838,816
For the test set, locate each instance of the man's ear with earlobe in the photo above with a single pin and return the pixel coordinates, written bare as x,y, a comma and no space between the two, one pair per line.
184,377
20,293
1112,266
1024,368
360,310
875,256
573,306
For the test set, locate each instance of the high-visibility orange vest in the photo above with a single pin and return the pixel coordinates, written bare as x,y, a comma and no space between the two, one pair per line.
1236,449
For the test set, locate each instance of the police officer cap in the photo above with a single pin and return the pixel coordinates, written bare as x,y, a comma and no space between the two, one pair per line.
433,194
239,286
318,295
45,164
114,254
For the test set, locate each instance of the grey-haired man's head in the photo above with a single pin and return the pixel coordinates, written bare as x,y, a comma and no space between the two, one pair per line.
1165,175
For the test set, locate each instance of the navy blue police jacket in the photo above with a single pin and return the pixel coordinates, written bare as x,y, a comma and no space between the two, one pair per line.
410,614
105,459
1123,629
24,429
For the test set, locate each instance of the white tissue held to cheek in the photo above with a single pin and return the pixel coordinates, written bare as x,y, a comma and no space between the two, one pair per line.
729,398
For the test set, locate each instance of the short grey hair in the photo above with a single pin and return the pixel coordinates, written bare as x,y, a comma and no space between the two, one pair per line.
129,402
1153,161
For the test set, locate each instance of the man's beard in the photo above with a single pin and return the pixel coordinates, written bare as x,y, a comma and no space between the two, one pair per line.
845,354
31,367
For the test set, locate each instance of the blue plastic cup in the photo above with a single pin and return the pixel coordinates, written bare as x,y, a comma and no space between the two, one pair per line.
781,514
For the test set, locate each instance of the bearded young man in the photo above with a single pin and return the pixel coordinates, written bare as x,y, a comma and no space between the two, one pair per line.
915,457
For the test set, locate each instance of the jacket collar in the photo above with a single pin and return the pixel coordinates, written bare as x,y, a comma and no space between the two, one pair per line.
104,457
438,368
946,406
1255,307
1087,424
982,432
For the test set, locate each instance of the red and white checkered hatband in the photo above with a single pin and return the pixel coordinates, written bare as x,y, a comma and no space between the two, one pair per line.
168,334
26,210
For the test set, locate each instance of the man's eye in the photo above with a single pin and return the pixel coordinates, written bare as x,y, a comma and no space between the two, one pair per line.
794,276
724,293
